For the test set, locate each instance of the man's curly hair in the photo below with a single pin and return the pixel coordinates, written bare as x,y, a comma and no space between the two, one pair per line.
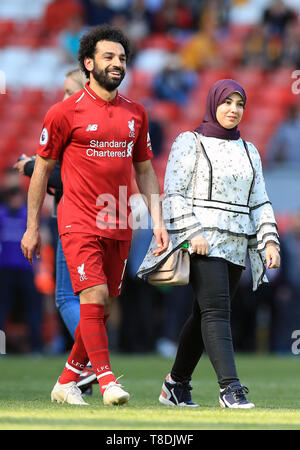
89,41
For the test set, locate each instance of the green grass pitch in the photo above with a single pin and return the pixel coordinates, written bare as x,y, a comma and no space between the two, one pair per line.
26,382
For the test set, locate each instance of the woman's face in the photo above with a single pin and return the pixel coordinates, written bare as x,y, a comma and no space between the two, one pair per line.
230,113
70,87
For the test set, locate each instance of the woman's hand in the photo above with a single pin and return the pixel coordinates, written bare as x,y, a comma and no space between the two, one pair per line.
162,240
200,245
272,256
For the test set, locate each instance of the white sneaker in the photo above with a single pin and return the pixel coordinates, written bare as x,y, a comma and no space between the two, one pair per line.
67,393
115,395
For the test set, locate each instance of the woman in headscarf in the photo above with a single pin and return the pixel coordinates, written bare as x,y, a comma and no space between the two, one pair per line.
229,214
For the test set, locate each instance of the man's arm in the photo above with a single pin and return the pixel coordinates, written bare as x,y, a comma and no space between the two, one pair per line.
25,166
31,241
148,185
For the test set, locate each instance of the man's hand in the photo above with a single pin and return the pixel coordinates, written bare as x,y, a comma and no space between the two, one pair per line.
31,241
19,166
200,245
162,240
30,244
148,185
272,256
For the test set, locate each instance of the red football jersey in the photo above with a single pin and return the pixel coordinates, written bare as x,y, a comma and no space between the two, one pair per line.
96,142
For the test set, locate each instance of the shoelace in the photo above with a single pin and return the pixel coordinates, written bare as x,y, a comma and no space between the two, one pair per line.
74,390
239,392
116,381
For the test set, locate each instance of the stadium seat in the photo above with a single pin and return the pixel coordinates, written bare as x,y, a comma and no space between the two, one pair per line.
141,78
284,222
211,75
276,95
240,31
160,41
264,113
195,108
249,77
140,85
165,111
282,77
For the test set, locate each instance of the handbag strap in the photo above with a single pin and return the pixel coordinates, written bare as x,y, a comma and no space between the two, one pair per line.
196,166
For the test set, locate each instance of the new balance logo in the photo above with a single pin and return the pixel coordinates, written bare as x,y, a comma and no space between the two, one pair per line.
81,272
92,127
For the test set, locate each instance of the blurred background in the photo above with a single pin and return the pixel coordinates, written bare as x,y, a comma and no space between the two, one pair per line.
180,49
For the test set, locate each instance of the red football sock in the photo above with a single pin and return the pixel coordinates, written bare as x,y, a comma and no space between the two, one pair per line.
95,340
77,360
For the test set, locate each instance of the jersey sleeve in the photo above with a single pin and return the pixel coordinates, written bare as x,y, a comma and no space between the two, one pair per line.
55,133
143,148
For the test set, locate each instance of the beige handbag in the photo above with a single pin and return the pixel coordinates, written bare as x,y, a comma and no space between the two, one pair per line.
175,271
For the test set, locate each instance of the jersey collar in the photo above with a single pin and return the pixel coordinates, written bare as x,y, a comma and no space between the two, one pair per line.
93,96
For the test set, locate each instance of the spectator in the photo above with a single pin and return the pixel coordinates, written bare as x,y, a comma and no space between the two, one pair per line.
156,135
118,5
243,314
154,322
202,49
254,320
177,303
277,17
174,15
137,327
16,274
260,49
98,12
139,22
174,83
287,298
290,56
153,5
58,14
284,146
69,39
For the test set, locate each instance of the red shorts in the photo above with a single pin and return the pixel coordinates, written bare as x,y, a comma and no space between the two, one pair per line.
94,260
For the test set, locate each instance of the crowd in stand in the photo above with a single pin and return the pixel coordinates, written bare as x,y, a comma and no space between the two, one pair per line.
175,42
201,31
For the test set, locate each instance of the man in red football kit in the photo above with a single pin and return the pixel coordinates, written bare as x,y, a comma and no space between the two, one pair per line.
97,134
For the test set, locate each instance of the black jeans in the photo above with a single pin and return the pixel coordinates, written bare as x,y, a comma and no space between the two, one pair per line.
214,282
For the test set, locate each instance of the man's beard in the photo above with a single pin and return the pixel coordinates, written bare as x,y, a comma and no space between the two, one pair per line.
104,80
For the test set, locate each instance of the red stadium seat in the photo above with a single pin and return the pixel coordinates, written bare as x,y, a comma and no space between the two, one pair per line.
27,145
240,31
276,95
138,93
195,108
264,114
284,222
249,77
7,27
159,40
281,77
209,76
165,111
139,77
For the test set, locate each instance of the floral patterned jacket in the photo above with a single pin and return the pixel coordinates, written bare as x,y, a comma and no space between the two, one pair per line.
216,188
